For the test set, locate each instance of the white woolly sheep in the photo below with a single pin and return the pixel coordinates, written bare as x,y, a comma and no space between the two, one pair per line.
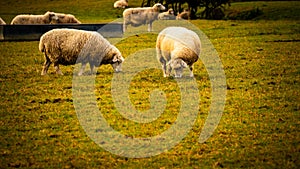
121,4
71,46
168,15
177,48
2,21
184,15
66,18
141,16
35,19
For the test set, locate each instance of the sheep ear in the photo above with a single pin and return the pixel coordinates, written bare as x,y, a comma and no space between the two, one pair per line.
168,63
118,58
115,59
183,64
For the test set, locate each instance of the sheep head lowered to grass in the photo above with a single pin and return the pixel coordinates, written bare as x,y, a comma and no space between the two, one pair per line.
71,46
177,48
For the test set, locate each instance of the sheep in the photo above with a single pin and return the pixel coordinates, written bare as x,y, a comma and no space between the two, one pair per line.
142,15
35,19
184,15
177,48
66,18
2,21
169,15
121,4
71,46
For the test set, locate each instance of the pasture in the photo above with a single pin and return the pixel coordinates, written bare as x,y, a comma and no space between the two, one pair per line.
259,127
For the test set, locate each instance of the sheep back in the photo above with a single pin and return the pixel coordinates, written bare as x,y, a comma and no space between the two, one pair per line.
66,18
121,4
168,15
2,22
179,42
141,15
184,15
34,19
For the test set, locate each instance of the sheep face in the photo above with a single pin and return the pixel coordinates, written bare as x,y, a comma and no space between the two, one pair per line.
52,16
117,62
178,65
159,7
171,11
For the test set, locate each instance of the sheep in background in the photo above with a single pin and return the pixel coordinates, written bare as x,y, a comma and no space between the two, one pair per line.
65,18
177,48
184,15
168,15
121,4
2,21
71,46
141,16
47,18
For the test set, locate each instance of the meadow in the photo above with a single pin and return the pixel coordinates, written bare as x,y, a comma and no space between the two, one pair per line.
259,128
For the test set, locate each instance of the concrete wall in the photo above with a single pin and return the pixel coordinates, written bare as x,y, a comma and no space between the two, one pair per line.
34,32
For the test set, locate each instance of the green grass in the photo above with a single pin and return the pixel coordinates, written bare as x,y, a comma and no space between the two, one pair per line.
90,11
276,10
259,127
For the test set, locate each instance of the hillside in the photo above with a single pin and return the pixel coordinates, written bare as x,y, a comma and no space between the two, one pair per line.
95,11
263,10
88,11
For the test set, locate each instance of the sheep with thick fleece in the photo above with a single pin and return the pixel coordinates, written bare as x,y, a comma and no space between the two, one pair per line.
2,22
121,4
66,18
177,48
47,18
141,16
168,15
71,46
184,15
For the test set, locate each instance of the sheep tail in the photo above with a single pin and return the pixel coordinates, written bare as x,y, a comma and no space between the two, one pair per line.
41,46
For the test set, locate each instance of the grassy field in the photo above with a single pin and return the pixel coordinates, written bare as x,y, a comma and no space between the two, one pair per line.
259,127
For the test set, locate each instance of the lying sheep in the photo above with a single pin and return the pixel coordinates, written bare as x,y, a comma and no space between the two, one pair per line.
2,21
184,15
169,15
47,18
66,18
121,4
177,48
71,46
141,16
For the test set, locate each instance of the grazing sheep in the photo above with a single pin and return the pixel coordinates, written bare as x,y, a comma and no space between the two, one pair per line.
184,15
34,19
169,15
141,16
177,48
121,4
2,21
66,18
71,46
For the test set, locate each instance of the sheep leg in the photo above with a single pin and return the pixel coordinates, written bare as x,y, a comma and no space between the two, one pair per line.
191,71
164,67
169,70
92,68
56,67
124,27
46,66
81,69
150,27
163,63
